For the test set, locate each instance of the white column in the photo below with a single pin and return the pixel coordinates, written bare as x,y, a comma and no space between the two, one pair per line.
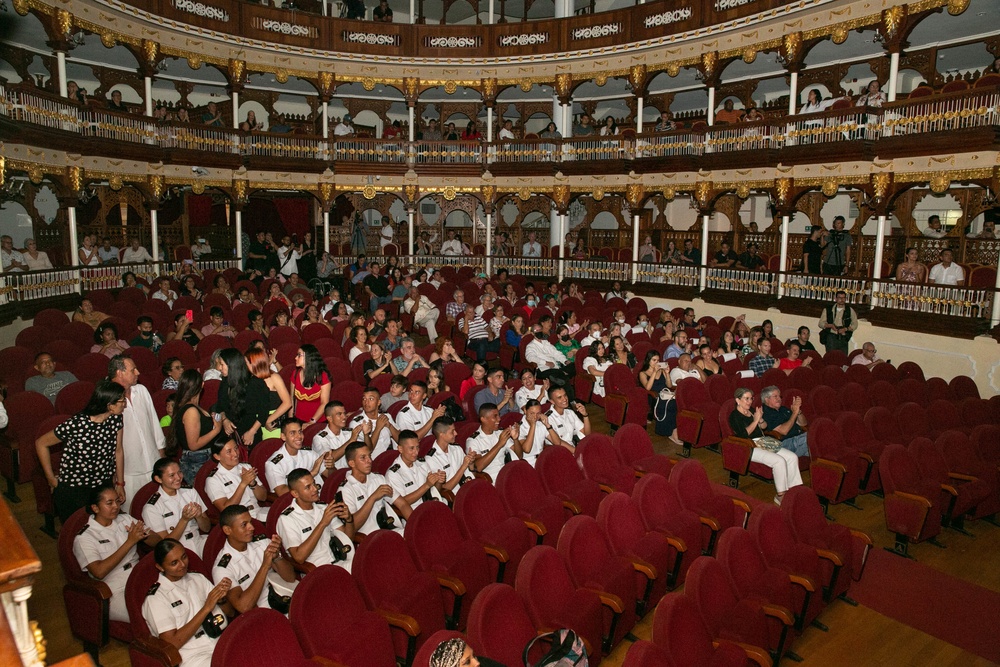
557,114
236,110
711,105
995,316
326,231
14,605
74,242
409,232
154,229
703,273
561,9
635,247
783,255
879,251
489,124
493,17
793,93
61,69
413,126
893,75
489,244
638,115
555,232
149,95
562,247
413,11
326,120
239,236
567,122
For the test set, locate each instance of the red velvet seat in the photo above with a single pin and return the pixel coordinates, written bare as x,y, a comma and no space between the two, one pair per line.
523,496
661,510
717,511
181,350
912,503
960,494
624,402
910,369
882,425
635,448
697,416
963,459
838,469
825,402
91,367
499,626
24,412
259,638
562,477
600,461
964,387
481,516
912,421
73,398
944,416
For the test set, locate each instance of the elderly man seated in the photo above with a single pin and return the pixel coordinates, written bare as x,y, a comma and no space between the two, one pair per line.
787,423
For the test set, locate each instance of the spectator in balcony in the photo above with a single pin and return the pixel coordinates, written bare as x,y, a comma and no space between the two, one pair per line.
107,252
947,272
182,115
288,257
812,252
934,229
433,132
35,259
665,123
251,124
507,131
392,130
610,127
989,231
584,128
280,126
837,249
75,93
749,259
116,102
672,255
550,132
385,235
815,102
200,248
471,132
691,254
88,253
135,253
212,116
422,245
725,258
753,115
502,247
872,97
12,259
911,270
531,248
344,128
355,9
451,134
383,12
160,114
728,115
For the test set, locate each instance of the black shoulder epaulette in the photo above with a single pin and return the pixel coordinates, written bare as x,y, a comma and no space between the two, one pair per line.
344,482
152,589
394,468
224,561
477,434
153,499
288,511
259,537
214,470
430,453
277,458
406,409
84,529
321,434
549,413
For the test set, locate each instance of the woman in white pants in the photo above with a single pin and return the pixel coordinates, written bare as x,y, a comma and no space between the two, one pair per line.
750,424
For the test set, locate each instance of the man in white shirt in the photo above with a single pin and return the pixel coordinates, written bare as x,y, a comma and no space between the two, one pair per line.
385,236
247,559
165,293
336,436
291,456
595,331
425,314
142,436
451,246
307,527
447,457
344,128
12,259
531,248
410,481
934,230
416,416
552,364
200,248
507,131
493,447
288,257
374,503
136,253
947,272
383,429
107,252
568,426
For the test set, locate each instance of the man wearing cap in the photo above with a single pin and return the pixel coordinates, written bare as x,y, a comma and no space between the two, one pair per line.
201,247
344,128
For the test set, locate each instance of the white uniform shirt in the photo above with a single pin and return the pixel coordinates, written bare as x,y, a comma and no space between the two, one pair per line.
544,354
947,276
242,566
162,512
567,425
591,362
411,418
221,483
451,247
481,444
169,605
531,249
142,440
405,479
356,493
94,543
538,441
449,462
524,395
282,462
326,441
295,524
384,441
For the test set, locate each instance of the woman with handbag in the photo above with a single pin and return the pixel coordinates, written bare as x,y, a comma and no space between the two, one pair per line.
655,378
750,424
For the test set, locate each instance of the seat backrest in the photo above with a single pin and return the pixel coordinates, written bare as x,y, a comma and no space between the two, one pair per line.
912,421
691,393
432,534
141,497
678,628
24,411
825,400
708,586
382,566
262,451
558,469
691,483
882,424
74,397
478,508
943,415
520,487
544,584
633,443
618,378
619,518
585,551
499,624
898,470
67,535
258,638
930,462
964,387
327,603
804,516
825,439
744,564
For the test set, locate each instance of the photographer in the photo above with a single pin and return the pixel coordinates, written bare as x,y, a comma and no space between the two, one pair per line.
837,249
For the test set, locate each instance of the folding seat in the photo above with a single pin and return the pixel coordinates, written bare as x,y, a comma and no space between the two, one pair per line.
975,412
737,452
244,339
624,401
259,638
804,378
103,299
438,548
727,616
73,398
181,350
681,638
283,336
635,448
775,377
209,344
389,580
838,470
912,503
825,402
24,411
885,372
349,393
960,494
964,387
878,393
481,517
662,511
697,416
944,416
912,421
720,388
314,332
330,620
964,461
552,600
35,337
583,382
859,374
597,455
499,625
938,388
87,599
562,477
51,318
423,657
910,369
90,367
718,508
986,439
523,496
262,451
66,352
843,551
80,333
781,550
908,389
853,398
833,376
593,565
752,577
882,425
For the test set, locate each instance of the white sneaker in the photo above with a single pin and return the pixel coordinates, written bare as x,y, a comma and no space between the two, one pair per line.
777,501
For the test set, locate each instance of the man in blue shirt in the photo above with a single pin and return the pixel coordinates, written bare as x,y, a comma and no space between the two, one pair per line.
679,346
787,422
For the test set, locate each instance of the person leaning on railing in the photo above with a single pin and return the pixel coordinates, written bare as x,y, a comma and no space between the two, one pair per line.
35,259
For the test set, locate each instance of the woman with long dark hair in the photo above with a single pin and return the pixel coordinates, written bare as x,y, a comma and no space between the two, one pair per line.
92,450
194,428
279,401
596,363
242,406
310,385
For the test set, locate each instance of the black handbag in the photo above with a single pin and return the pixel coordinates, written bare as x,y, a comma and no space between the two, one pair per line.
213,625
278,602
384,520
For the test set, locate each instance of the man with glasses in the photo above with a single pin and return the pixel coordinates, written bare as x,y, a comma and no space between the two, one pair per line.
837,324
868,358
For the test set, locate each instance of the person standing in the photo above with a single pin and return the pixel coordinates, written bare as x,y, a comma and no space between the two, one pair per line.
837,323
142,435
837,249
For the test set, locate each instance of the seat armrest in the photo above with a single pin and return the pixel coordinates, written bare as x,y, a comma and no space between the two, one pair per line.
453,584
496,552
606,488
913,497
572,507
320,660
804,582
648,570
407,624
535,526
754,654
962,477
742,504
831,556
778,612
609,600
863,536
90,587
710,522
158,649
833,465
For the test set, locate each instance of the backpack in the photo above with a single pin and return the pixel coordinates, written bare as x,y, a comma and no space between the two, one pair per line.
452,410
567,650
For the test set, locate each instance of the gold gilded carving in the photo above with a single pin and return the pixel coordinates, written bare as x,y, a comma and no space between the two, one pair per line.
75,175
194,62
236,70
281,75
198,188
156,185
325,80
893,19
783,188
634,193
150,51
940,183
240,191
410,192
35,173
839,34
369,192
449,193
21,7
881,183
791,47
564,84
64,21
368,83
709,61
526,85
524,194
956,7
830,187
560,195
669,193
749,55
673,69
743,190
488,193
326,192
410,86
109,39
450,87
115,181
3,171
601,79
40,643
637,77
702,193
598,194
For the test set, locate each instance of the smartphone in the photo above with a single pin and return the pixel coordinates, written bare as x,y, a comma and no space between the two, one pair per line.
190,315
189,261
225,323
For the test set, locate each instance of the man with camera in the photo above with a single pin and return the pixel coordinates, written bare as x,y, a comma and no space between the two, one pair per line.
315,532
837,249
369,496
837,324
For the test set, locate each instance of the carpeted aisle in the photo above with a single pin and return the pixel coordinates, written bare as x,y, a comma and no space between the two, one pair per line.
943,606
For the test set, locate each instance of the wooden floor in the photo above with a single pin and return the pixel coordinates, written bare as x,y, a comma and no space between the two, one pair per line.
857,636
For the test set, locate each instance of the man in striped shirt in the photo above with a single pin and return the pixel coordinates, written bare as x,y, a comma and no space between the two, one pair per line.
479,335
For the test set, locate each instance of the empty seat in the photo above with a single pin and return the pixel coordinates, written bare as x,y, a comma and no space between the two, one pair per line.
944,416
499,625
523,496
717,511
882,425
24,412
837,468
562,477
635,448
661,510
882,393
964,387
853,398
599,459
258,638
697,415
482,517
624,401
964,462
912,503
960,494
